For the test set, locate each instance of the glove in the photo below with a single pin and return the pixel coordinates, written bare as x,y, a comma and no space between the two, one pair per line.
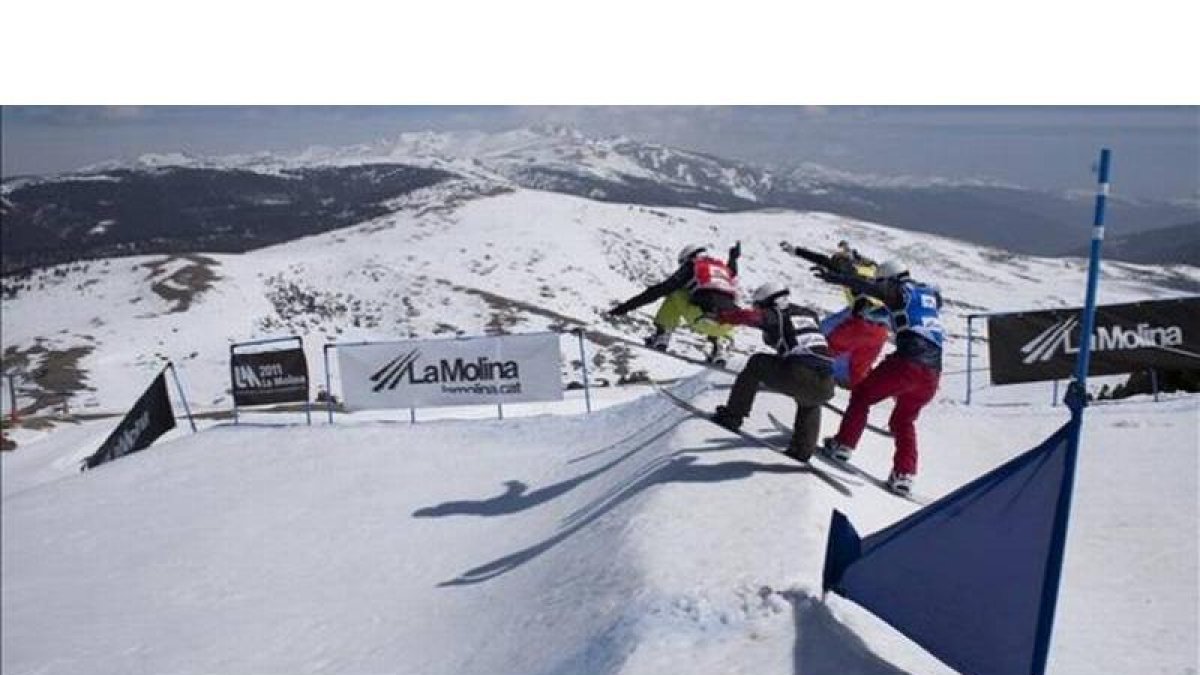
736,251
787,248
618,310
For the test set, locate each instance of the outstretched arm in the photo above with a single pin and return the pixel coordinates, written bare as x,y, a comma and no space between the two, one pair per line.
811,256
857,284
741,317
662,289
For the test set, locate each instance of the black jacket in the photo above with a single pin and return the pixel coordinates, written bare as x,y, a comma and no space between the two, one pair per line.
785,329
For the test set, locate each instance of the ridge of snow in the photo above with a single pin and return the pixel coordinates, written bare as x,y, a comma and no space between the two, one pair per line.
815,175
563,149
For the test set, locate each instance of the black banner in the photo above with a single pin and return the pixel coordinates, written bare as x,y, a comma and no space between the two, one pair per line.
1043,345
150,418
269,377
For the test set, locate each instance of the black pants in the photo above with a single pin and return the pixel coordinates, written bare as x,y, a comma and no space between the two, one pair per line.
808,387
711,302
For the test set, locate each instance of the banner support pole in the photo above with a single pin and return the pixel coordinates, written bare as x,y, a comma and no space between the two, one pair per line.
308,381
233,374
1154,382
328,386
179,387
587,392
970,339
13,415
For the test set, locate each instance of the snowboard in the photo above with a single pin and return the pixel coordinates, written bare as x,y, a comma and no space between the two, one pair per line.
851,469
723,369
835,483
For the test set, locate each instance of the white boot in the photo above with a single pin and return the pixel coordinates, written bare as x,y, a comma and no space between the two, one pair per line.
719,354
901,483
837,451
660,340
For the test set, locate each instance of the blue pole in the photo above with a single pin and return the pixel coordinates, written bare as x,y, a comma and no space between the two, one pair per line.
1089,305
1076,399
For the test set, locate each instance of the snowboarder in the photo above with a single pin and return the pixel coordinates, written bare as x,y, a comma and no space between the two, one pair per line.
857,333
801,366
910,374
694,294
846,255
845,259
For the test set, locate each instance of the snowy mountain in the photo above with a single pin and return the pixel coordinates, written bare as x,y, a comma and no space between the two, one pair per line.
632,540
168,203
460,258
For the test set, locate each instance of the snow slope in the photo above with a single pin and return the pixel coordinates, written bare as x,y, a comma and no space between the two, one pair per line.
454,261
633,540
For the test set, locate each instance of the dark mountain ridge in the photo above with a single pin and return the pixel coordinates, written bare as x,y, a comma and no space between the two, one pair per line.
182,204
181,209
1177,244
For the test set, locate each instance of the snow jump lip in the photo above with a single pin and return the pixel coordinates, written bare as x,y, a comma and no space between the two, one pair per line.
622,478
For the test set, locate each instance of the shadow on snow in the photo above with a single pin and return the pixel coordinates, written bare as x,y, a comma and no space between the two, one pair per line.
677,468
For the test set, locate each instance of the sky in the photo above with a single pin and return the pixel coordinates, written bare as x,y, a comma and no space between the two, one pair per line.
1156,149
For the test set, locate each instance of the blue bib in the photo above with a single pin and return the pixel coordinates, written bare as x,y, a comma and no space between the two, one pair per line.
920,314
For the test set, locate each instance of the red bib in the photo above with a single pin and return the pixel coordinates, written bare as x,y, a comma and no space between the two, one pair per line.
711,274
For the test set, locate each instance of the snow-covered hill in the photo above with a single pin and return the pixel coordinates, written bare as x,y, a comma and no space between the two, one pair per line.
632,540
448,264
452,260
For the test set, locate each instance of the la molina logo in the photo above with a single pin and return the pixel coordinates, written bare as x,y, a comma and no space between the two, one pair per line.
1056,340
247,377
404,368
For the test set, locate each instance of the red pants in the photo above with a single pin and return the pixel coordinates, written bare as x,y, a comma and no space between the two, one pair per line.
862,340
913,385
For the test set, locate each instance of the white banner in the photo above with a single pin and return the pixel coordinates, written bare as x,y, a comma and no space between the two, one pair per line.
468,371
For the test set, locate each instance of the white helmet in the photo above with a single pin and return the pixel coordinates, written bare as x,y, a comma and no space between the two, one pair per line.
691,250
770,293
890,269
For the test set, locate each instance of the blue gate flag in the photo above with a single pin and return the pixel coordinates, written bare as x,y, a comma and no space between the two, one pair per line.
972,578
